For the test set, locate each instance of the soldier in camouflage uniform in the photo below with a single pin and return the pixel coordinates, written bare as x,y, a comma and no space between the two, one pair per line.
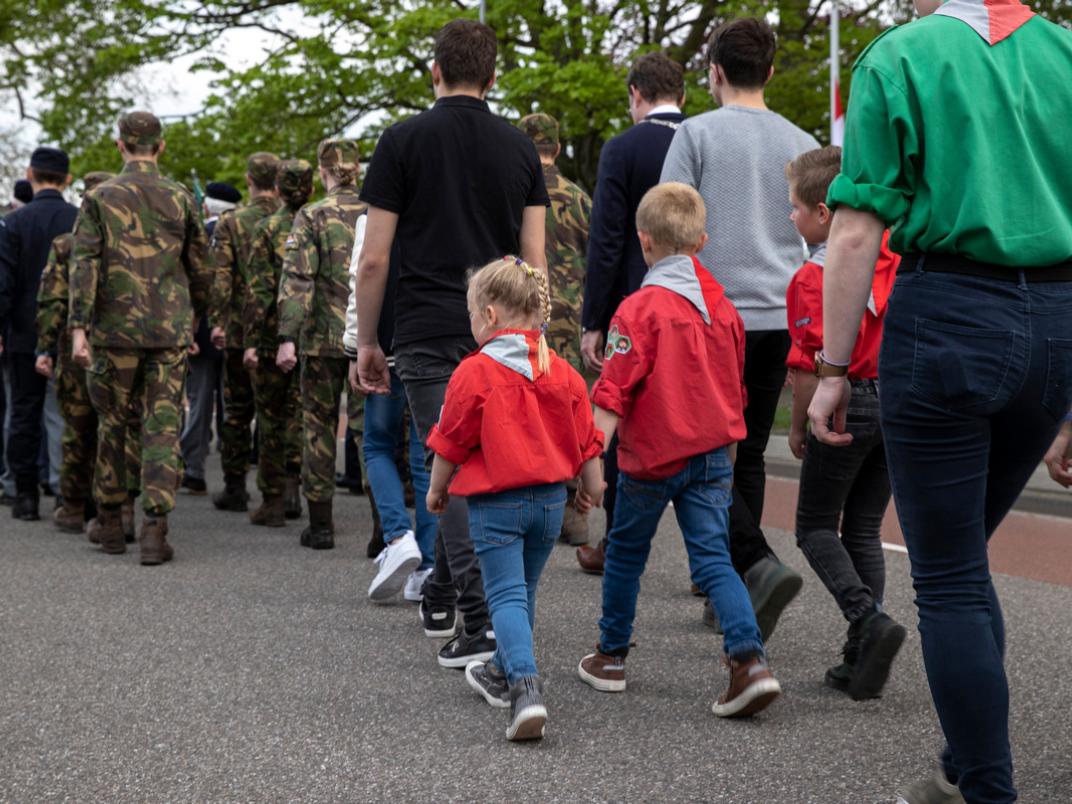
566,245
277,392
79,440
141,274
313,294
231,241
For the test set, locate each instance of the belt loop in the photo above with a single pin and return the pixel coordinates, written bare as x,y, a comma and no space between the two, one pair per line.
919,263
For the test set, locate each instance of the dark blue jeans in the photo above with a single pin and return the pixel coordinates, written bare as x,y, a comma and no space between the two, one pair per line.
701,493
975,376
513,534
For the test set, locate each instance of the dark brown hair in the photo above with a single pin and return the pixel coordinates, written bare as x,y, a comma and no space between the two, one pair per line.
465,52
744,49
811,173
48,177
142,150
657,77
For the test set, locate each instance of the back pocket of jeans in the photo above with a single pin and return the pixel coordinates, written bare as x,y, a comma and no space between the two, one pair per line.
961,368
553,514
1057,392
500,523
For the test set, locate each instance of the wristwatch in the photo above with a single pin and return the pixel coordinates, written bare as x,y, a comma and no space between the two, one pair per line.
824,369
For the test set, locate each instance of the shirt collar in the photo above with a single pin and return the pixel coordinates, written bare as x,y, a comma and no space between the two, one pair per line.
465,101
140,166
515,349
677,274
48,192
818,254
666,108
994,20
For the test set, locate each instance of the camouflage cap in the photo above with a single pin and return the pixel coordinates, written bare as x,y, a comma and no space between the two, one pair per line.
262,167
95,177
340,154
541,128
294,180
140,128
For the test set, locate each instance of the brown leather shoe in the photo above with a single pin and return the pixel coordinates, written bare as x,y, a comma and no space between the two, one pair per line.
602,672
292,508
107,531
574,524
591,559
752,689
126,517
271,514
154,547
70,517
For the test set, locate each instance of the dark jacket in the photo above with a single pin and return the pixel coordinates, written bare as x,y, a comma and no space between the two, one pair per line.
629,166
26,236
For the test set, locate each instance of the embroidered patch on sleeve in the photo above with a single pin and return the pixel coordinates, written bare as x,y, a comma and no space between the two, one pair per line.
802,322
617,344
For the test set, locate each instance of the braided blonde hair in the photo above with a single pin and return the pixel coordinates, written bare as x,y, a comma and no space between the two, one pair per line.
519,288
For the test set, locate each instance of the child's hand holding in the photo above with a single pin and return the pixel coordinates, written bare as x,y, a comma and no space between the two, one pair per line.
436,500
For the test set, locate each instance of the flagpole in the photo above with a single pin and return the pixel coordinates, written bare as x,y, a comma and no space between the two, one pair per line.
835,70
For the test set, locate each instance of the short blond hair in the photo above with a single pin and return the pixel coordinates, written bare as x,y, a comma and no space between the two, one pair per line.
673,215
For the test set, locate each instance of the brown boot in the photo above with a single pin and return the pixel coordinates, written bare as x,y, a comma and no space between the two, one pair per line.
752,688
292,498
126,517
271,513
70,517
591,559
154,547
320,535
574,523
107,531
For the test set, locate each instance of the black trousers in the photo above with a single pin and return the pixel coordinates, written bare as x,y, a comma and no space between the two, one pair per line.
27,404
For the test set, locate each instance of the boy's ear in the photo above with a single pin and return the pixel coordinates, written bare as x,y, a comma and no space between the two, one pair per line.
824,212
645,240
702,242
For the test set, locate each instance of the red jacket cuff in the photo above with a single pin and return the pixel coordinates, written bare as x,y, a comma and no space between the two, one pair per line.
609,397
444,447
595,446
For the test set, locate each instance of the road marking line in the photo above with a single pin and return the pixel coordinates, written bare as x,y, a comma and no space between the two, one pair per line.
894,548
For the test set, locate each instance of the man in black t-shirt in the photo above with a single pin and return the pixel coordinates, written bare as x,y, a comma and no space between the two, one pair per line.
450,189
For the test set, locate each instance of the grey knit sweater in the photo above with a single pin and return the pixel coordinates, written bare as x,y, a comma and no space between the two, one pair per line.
736,157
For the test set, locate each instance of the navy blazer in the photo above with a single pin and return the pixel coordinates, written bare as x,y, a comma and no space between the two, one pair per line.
629,166
26,236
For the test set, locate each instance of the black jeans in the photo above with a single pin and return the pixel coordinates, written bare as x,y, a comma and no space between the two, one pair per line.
425,368
851,485
27,403
764,375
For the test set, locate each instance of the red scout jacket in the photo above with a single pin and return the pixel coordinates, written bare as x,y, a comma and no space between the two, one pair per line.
508,426
804,309
674,370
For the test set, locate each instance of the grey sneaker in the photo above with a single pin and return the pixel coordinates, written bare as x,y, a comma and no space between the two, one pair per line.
771,586
932,790
487,679
527,712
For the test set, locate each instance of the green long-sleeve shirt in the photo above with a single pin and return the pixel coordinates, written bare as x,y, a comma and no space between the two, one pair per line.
961,146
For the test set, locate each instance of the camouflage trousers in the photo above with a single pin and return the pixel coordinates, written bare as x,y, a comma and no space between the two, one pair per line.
323,380
236,441
156,377
279,427
79,440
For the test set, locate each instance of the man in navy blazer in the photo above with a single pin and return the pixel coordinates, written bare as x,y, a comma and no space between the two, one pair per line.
629,166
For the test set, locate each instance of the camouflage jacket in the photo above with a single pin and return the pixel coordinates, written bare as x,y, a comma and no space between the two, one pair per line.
260,319
566,245
52,298
141,269
315,285
231,240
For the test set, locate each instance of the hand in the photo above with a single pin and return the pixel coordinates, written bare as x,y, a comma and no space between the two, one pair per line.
1057,457
250,360
436,501
219,338
831,401
287,357
797,441
592,349
355,381
586,499
194,349
373,375
43,366
80,347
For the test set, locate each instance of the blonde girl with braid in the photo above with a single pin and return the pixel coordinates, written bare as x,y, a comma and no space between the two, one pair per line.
516,425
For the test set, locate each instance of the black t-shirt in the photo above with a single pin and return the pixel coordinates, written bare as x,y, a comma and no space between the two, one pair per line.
459,178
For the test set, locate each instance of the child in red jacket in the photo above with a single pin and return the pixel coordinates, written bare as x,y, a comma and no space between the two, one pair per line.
517,424
844,491
673,387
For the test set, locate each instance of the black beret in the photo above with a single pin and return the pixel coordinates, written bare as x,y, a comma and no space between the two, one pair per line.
51,159
222,191
24,191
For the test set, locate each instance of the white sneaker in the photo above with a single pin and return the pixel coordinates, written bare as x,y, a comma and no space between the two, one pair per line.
415,585
398,560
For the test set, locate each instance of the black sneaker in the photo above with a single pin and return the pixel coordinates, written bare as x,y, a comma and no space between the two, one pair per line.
466,648
25,507
838,677
881,639
440,622
194,485
528,715
487,679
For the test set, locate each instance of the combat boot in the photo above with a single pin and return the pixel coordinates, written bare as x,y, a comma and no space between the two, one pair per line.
154,547
71,516
292,498
271,512
574,523
126,517
234,496
26,506
107,531
320,535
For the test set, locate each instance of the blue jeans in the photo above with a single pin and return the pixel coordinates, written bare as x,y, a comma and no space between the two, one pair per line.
383,423
701,493
975,376
513,534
